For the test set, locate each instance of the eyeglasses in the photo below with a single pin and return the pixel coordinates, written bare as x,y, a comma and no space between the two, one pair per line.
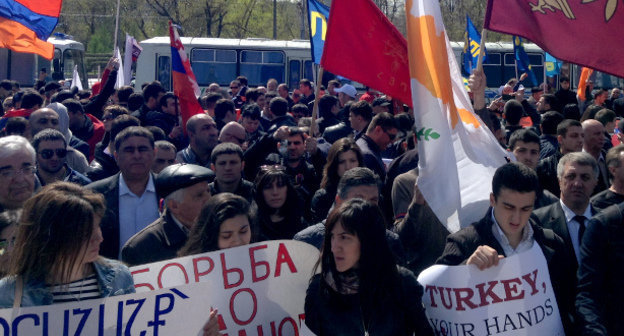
48,153
276,167
233,87
390,135
108,117
8,174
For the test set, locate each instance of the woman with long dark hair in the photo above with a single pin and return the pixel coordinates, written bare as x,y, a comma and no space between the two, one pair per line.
279,207
360,289
343,155
224,222
56,254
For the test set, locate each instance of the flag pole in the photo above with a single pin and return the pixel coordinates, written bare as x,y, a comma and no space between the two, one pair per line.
317,90
544,90
116,27
481,50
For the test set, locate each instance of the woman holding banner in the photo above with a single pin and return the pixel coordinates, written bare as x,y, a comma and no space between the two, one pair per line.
361,290
56,254
224,222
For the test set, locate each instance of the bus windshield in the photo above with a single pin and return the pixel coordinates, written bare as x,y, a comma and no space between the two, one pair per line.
72,57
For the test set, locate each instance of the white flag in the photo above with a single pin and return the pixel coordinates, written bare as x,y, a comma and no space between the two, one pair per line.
120,73
458,154
130,49
76,79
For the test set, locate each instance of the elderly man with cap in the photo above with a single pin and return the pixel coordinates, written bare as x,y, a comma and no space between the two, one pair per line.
185,190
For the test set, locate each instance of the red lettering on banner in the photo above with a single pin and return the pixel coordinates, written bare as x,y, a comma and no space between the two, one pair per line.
463,295
225,271
532,282
195,264
255,306
301,319
292,322
139,271
162,270
489,292
283,257
254,264
511,287
431,289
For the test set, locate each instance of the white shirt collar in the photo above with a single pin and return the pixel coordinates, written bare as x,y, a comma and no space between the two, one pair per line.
569,214
124,190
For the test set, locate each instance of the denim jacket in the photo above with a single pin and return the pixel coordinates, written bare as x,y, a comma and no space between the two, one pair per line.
113,277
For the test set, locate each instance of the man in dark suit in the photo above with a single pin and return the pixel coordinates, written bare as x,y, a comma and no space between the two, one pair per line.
600,290
507,229
578,175
185,190
570,137
380,133
131,199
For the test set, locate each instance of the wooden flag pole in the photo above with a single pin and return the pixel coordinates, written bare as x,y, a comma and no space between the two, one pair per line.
116,28
317,91
481,50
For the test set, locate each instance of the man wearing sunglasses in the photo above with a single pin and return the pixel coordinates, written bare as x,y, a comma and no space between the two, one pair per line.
51,148
380,133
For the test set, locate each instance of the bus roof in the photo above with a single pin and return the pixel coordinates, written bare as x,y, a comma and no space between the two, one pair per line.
66,43
260,43
502,46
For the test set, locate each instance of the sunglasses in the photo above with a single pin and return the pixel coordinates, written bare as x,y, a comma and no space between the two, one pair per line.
48,153
233,87
390,135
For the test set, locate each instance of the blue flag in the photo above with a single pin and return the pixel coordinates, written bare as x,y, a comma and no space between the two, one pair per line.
318,16
472,47
552,65
522,60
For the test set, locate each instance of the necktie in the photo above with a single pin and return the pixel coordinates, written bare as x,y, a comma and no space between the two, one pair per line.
581,221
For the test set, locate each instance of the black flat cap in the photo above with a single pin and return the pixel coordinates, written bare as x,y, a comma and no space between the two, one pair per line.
381,102
181,175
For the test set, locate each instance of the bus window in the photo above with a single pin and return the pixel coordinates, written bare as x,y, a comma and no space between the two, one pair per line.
213,65
164,71
294,75
260,66
308,70
72,57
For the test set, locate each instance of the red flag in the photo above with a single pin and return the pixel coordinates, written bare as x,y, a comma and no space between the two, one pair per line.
363,45
184,83
574,31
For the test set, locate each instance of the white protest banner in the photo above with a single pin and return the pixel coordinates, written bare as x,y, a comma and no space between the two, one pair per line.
513,298
254,287
174,311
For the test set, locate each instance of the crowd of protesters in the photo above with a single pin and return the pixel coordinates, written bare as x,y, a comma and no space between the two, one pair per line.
94,181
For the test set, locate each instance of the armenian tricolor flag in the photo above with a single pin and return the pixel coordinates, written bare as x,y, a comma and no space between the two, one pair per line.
25,25
184,83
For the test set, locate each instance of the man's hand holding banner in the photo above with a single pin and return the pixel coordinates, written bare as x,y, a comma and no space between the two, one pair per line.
513,298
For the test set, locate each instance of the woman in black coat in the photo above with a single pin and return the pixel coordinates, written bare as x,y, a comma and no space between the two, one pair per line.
361,290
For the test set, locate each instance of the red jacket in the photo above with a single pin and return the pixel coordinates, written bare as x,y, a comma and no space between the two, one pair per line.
98,134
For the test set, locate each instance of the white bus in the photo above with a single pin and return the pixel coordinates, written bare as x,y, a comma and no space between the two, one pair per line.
221,60
25,67
217,60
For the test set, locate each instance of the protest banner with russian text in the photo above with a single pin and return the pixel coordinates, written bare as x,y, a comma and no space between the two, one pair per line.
270,277
514,298
257,289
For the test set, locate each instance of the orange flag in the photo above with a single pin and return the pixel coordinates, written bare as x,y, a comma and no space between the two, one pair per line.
585,74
